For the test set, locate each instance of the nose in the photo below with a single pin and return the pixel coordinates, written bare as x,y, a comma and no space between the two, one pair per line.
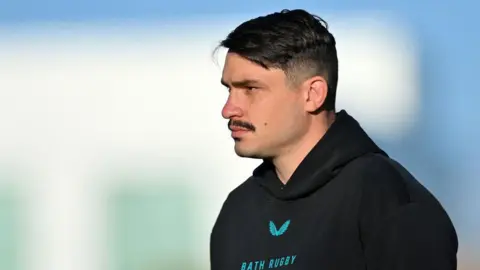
231,109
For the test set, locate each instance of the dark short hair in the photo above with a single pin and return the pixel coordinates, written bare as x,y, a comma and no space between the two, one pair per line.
295,41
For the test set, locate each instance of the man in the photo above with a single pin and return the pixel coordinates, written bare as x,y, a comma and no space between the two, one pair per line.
326,196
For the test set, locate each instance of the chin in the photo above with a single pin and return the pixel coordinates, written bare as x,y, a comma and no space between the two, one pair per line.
247,152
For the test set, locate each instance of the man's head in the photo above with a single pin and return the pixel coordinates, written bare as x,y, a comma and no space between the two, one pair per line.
281,71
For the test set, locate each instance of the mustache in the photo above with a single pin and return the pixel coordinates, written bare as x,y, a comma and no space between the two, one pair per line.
242,124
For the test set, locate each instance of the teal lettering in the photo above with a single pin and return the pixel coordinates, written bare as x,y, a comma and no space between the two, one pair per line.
244,266
293,258
272,263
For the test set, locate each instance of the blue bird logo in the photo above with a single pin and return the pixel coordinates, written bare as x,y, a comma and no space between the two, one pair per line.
282,230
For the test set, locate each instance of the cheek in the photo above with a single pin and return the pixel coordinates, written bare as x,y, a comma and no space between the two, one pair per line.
276,113
282,119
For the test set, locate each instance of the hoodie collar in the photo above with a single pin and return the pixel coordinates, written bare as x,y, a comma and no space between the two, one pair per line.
344,141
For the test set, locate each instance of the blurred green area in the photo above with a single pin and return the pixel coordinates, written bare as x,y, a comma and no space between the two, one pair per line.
151,227
9,229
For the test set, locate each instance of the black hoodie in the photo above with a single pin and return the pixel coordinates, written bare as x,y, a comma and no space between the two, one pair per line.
347,206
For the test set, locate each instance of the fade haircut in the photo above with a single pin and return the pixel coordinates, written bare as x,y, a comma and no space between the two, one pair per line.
294,41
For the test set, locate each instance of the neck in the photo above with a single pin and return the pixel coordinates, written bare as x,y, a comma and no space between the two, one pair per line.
287,162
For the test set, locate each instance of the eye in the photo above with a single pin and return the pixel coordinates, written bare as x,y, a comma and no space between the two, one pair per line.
250,88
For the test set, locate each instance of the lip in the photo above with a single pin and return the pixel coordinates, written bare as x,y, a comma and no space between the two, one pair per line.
237,132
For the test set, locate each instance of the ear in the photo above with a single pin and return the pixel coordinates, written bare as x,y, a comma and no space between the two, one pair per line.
316,89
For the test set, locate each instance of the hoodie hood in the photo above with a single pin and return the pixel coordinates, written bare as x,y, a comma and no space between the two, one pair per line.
343,142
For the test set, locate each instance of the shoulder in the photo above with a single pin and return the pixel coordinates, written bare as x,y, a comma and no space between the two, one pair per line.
381,187
243,189
238,196
374,180
382,180
391,195
232,208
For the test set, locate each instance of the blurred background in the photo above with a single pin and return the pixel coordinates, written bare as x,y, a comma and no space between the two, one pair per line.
113,152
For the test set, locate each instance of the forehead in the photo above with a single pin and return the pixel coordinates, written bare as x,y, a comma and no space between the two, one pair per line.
238,68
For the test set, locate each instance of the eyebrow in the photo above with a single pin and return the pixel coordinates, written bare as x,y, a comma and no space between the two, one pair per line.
241,84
